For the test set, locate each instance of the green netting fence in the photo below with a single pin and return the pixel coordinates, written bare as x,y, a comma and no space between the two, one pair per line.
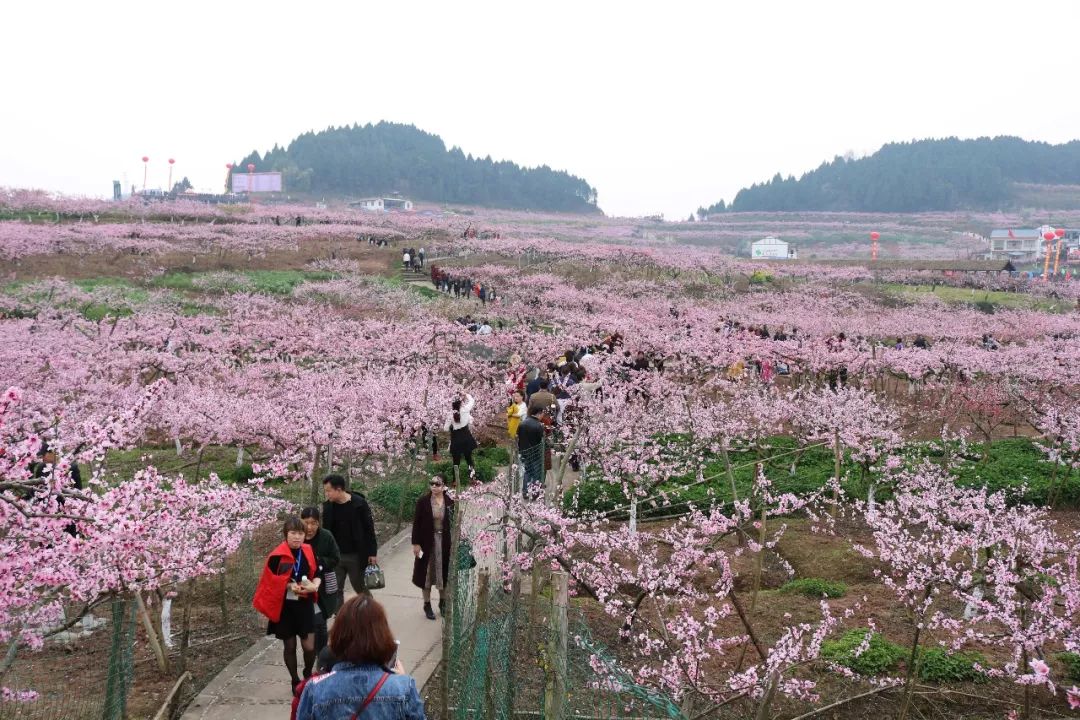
94,670
522,648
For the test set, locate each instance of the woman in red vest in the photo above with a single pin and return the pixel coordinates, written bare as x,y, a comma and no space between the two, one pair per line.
286,595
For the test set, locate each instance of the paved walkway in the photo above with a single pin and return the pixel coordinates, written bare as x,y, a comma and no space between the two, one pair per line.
255,686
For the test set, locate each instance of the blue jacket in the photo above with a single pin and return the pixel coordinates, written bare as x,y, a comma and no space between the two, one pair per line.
339,693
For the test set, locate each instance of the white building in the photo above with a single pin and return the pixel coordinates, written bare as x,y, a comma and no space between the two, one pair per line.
382,204
1017,245
771,248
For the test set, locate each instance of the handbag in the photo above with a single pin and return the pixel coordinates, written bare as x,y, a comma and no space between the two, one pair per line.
374,579
370,696
330,583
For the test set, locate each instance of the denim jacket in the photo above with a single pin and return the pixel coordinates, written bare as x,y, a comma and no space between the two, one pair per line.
339,693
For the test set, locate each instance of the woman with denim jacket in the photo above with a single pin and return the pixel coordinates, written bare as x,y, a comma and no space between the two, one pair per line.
361,683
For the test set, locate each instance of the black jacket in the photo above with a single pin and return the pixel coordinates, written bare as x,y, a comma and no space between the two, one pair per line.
530,433
362,532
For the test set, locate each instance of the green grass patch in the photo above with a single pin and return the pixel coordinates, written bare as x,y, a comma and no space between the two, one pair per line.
1014,465
816,587
1071,661
879,657
936,665
271,282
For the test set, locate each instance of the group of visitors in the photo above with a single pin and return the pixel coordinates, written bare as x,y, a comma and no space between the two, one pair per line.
412,259
461,286
353,663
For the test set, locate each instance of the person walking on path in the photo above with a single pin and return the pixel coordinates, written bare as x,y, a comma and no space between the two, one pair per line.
462,442
405,258
367,676
530,439
420,256
348,518
328,556
432,522
286,595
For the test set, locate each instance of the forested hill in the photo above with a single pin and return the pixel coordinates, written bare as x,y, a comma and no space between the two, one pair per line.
948,174
388,157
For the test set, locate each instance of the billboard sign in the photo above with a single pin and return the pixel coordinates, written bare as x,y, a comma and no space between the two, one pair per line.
256,182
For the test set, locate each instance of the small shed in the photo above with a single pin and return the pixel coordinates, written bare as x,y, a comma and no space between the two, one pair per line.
772,248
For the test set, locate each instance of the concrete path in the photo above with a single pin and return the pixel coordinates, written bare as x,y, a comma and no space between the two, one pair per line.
255,686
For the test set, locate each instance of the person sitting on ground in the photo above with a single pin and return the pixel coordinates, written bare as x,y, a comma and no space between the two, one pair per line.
640,361
920,342
367,671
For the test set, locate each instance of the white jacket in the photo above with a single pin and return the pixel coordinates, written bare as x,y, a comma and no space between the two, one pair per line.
465,414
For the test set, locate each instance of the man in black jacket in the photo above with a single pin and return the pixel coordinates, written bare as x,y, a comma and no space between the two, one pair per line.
348,518
530,437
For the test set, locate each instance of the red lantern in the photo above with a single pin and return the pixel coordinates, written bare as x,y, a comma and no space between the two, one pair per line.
875,235
1060,232
228,166
145,159
251,167
1048,236
171,161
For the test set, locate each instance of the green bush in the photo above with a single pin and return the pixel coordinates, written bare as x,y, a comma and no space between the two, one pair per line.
495,454
816,587
388,496
879,657
594,496
1071,661
939,666
485,470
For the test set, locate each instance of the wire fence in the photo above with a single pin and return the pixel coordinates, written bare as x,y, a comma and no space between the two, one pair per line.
102,667
525,651
518,647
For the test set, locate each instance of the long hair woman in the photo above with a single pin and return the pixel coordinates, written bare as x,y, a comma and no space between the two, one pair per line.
462,442
367,673
431,542
286,595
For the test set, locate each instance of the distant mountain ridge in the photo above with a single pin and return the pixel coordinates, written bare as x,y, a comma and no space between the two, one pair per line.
391,157
922,175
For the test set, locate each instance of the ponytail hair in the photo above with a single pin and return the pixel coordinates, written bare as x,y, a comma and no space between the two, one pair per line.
457,411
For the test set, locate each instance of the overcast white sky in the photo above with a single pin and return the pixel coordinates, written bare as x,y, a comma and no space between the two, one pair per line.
661,106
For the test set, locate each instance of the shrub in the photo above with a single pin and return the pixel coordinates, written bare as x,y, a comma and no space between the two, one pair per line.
593,496
939,666
1071,661
816,587
388,496
494,454
485,470
879,657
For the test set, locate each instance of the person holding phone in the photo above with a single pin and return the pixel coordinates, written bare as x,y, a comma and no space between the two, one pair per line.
367,674
286,595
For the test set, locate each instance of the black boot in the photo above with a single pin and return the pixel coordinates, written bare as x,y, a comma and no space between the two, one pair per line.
428,612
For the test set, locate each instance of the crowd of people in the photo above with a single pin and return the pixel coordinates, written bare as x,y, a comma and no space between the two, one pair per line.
412,259
348,666
459,286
